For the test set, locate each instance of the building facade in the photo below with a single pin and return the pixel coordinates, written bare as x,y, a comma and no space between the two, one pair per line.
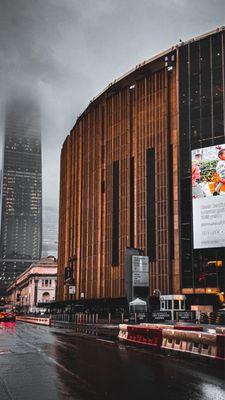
127,177
50,232
21,200
35,285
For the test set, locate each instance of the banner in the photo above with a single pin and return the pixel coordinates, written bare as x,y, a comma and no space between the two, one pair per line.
208,196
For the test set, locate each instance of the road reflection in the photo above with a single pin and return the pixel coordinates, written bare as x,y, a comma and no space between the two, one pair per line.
38,362
10,327
97,370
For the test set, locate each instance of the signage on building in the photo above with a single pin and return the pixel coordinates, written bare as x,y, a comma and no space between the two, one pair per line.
72,289
187,316
156,316
140,271
208,196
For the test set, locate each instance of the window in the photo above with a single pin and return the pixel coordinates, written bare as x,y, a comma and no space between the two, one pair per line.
176,304
150,185
115,217
45,297
131,201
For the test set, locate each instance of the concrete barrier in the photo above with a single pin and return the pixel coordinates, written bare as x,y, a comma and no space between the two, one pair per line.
154,325
220,329
123,333
220,341
34,320
196,343
141,335
191,342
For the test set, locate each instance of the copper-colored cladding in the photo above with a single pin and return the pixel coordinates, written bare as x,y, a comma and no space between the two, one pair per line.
122,122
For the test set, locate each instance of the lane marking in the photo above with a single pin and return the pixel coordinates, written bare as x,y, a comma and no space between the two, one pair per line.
104,340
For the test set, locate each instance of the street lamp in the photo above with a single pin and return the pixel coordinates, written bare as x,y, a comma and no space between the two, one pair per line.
157,291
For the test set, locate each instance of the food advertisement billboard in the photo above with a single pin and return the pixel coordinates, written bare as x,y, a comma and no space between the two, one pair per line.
208,196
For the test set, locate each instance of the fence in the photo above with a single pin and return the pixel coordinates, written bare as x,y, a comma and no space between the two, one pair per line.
88,324
85,318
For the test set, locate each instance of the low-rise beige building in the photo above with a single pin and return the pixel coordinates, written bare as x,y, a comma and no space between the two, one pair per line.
35,285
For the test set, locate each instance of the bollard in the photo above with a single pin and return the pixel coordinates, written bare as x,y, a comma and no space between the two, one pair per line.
109,318
122,318
135,318
96,318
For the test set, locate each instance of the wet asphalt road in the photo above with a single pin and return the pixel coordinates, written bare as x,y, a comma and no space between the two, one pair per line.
41,363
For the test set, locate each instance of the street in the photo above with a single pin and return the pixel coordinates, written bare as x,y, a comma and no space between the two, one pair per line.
38,362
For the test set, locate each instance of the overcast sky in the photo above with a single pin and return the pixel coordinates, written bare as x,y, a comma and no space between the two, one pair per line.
67,51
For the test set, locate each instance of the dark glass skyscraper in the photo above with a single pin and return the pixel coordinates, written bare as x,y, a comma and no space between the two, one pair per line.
21,219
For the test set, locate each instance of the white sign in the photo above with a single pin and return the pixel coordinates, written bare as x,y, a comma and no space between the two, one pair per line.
209,222
72,289
140,271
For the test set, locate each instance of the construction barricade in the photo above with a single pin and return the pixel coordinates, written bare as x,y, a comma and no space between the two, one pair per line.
34,320
141,335
220,342
190,342
188,328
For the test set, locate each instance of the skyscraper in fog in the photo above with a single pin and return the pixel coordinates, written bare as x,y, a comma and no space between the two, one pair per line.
21,195
50,232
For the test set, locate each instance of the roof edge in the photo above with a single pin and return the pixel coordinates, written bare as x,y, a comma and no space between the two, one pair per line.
146,62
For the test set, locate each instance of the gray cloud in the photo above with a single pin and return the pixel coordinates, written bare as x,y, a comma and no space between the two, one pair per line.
66,51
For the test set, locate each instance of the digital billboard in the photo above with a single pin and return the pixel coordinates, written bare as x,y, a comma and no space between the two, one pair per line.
208,196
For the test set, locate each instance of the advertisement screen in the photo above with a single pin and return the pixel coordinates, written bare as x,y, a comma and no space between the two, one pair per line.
208,196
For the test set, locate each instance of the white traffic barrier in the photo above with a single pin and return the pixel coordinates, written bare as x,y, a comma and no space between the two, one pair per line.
220,329
153,325
34,320
200,343
123,333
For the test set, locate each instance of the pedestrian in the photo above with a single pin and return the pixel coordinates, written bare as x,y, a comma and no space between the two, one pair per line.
220,169
197,190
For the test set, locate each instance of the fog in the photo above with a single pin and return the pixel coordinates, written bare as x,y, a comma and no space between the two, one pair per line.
65,52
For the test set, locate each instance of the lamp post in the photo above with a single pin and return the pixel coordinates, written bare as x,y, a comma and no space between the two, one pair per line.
158,294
